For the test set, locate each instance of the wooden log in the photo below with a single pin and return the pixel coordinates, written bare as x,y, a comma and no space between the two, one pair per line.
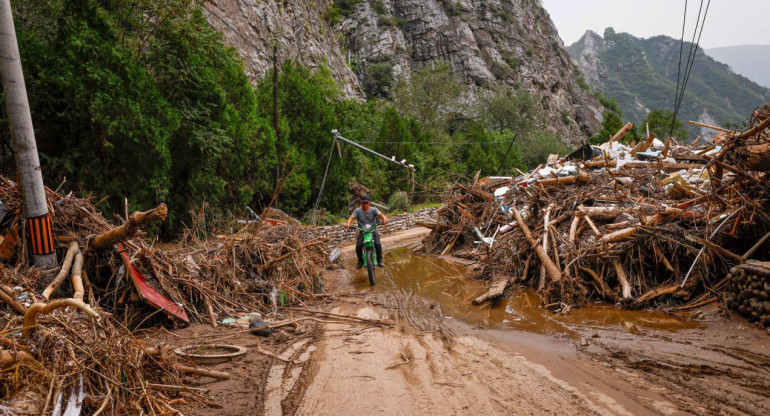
754,130
754,157
9,358
552,270
210,309
8,298
668,146
662,258
546,219
600,163
130,228
621,133
184,369
598,280
617,225
716,248
608,213
663,165
619,235
656,293
643,146
573,229
593,226
625,287
731,168
581,178
480,193
77,277
712,127
72,251
495,291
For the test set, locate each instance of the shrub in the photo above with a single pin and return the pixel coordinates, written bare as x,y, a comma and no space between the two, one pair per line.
399,201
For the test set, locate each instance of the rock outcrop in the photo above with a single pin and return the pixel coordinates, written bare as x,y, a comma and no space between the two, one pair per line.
297,28
492,43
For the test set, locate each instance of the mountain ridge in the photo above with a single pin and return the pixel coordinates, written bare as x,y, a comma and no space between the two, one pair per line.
642,75
750,61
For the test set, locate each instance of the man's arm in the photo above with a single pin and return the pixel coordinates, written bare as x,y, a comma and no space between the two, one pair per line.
350,221
383,218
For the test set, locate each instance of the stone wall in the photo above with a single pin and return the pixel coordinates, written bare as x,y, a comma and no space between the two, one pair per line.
399,222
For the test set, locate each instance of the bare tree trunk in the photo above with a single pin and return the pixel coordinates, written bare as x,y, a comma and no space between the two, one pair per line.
23,143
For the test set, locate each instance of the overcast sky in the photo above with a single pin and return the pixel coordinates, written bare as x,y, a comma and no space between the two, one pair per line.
729,22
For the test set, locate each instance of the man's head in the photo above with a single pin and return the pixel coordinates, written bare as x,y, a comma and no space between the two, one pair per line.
366,202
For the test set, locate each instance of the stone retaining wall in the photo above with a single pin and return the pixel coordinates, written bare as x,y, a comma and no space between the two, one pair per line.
399,222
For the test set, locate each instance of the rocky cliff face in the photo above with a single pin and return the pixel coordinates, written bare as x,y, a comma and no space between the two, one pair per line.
297,27
492,43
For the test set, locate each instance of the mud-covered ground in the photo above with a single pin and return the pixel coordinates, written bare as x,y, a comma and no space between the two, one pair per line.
427,354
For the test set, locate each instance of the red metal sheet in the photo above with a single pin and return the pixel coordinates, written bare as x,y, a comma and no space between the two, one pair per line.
274,222
152,296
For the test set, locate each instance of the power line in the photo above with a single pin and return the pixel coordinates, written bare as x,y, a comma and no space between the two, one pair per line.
695,51
679,68
690,58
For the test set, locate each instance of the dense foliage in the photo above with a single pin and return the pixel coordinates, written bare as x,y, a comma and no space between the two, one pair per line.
142,100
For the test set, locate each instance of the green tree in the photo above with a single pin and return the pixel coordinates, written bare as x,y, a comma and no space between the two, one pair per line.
378,81
430,95
660,124
535,148
506,109
142,100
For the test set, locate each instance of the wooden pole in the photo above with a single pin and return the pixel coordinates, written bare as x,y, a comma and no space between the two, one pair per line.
621,133
27,160
552,270
711,127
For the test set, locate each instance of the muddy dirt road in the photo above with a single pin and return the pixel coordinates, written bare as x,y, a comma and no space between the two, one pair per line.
416,348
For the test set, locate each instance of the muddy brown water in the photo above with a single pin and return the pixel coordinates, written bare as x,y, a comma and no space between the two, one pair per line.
447,285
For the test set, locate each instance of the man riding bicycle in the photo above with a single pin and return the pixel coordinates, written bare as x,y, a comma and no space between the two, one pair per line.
367,215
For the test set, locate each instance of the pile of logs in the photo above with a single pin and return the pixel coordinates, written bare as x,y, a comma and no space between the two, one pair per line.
749,291
651,223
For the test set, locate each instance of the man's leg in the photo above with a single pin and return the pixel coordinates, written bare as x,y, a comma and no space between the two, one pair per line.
378,249
360,250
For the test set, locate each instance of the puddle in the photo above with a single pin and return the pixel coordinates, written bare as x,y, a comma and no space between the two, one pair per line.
446,283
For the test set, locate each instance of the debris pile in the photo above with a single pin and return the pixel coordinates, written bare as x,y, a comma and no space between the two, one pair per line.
652,222
66,339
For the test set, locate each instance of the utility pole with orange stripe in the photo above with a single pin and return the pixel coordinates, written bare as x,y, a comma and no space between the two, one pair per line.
39,230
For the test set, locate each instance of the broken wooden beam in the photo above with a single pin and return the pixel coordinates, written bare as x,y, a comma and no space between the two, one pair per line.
130,228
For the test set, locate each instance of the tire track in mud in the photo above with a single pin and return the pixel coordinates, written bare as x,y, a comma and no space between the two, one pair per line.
703,378
410,371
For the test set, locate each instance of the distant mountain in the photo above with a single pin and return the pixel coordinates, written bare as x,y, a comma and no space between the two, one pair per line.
751,61
642,75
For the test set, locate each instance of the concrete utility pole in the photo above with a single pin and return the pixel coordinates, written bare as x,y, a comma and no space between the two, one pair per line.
39,226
